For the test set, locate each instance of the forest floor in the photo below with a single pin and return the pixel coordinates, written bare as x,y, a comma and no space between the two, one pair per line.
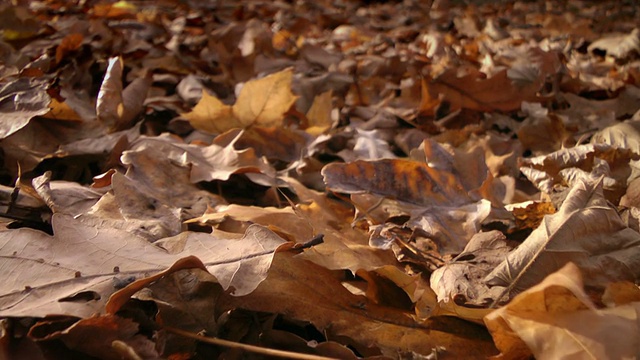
319,179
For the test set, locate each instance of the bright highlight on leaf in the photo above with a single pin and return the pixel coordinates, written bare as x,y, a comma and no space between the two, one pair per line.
261,102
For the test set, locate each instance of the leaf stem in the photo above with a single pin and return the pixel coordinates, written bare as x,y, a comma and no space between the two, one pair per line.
246,347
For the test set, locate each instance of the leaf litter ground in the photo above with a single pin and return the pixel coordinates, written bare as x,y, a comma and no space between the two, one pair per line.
329,179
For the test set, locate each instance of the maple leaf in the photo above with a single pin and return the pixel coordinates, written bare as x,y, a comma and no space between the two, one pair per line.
261,102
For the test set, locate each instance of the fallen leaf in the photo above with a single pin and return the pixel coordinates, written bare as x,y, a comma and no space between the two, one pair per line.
261,102
217,161
213,116
104,331
586,231
556,319
45,277
419,183
365,323
20,101
69,43
619,47
625,135
117,108
566,167
319,114
474,92
460,281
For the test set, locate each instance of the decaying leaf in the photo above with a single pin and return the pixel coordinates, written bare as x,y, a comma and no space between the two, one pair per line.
566,167
442,194
405,180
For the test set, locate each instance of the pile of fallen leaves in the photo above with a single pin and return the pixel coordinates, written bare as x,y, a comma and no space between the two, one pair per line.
319,179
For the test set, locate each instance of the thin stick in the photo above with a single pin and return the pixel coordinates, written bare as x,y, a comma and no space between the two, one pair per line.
246,347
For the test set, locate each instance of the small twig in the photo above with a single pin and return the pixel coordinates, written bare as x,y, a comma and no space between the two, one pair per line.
316,240
246,347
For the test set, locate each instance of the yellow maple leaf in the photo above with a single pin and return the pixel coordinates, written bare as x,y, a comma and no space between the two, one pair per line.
211,115
261,102
319,114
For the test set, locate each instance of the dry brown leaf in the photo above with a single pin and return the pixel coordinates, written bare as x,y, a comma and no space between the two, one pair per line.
474,92
460,281
64,196
344,247
117,108
625,135
261,102
151,164
45,277
274,143
104,330
131,207
217,161
557,320
402,179
440,192
68,44
586,231
566,167
21,100
292,288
